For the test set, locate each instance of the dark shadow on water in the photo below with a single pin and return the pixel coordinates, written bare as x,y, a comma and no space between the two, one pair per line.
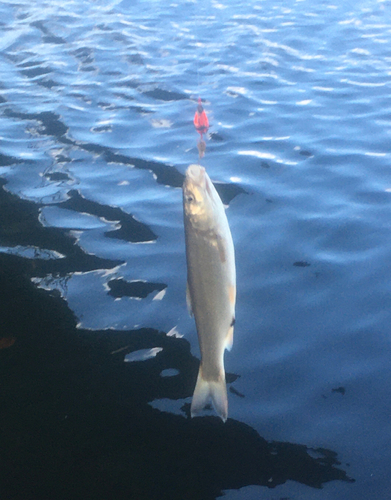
58,177
48,36
75,422
156,92
121,288
19,225
129,229
6,160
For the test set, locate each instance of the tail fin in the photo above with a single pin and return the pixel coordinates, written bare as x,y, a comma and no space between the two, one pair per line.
216,390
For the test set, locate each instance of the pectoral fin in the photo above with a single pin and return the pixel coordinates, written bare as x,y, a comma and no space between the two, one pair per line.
229,339
188,300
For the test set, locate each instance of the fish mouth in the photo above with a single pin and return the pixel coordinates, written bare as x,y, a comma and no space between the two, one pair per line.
197,181
196,175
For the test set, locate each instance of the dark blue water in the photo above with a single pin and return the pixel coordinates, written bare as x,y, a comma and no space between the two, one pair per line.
97,100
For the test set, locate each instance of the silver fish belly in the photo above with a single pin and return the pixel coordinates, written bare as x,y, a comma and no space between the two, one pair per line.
211,285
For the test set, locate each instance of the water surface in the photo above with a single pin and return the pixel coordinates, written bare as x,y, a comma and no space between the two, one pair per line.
97,100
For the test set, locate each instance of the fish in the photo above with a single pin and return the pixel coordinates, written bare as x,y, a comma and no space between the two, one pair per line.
211,285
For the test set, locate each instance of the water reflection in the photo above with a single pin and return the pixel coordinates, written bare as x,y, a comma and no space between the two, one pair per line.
142,354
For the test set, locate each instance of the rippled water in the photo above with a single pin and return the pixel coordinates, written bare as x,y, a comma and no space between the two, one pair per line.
97,100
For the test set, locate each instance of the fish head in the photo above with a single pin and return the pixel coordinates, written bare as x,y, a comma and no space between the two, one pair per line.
197,193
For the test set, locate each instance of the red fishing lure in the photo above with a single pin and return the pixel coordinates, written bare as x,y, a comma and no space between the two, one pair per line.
201,121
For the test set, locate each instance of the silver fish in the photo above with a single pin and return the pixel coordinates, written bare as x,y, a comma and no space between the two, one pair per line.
211,285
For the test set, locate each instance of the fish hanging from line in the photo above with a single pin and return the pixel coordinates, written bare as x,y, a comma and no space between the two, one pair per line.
211,285
201,124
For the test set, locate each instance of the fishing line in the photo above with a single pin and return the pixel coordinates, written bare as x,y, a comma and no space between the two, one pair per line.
200,120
